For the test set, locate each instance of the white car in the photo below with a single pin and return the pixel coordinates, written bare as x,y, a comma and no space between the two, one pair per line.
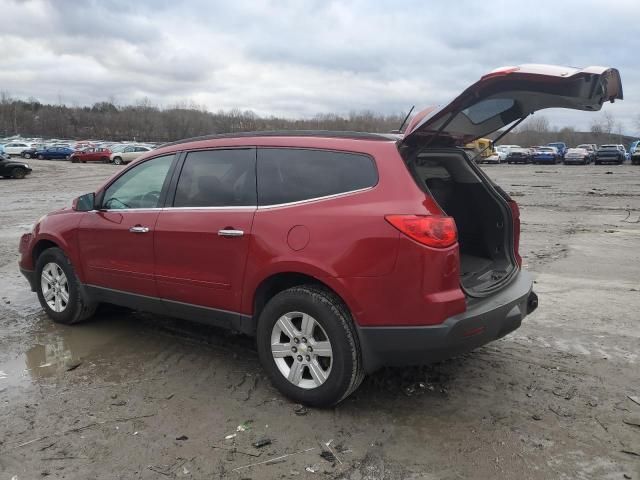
15,148
128,154
495,157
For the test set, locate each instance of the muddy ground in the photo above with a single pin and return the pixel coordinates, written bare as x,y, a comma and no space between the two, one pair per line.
155,398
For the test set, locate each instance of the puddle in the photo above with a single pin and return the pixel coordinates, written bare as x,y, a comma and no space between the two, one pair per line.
54,349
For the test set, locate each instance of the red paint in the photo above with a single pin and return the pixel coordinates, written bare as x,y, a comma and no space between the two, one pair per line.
383,276
91,154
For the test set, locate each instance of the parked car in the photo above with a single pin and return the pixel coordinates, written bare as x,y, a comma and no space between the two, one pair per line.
128,154
519,155
577,155
31,151
561,147
496,157
635,157
12,168
91,154
623,149
341,252
15,148
547,155
592,148
506,148
52,153
610,154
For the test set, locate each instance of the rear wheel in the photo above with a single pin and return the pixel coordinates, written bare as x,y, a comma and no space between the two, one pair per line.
74,159
105,159
40,157
308,346
27,155
18,172
59,291
117,160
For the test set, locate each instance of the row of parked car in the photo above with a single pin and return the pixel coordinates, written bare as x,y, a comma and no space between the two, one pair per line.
558,152
77,152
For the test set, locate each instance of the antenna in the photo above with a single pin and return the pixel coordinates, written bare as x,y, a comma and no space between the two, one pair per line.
405,119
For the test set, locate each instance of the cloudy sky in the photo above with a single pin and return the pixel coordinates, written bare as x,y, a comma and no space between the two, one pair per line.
298,58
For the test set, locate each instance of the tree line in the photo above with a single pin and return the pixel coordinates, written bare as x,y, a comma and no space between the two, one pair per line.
144,121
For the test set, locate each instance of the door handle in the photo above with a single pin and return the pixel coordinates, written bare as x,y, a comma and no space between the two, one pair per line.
229,232
139,229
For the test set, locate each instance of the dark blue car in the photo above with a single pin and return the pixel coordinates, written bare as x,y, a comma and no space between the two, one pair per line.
54,153
561,147
545,155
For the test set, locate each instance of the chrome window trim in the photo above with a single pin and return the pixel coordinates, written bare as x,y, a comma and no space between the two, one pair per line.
244,208
247,207
316,199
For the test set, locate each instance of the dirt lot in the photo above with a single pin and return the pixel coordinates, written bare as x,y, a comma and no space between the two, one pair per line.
154,398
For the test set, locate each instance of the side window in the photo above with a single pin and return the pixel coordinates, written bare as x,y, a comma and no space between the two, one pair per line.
217,178
128,149
289,175
139,187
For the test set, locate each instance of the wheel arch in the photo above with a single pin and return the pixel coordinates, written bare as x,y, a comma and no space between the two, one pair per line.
40,246
277,282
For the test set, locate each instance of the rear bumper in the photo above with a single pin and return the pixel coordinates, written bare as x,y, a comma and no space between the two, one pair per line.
484,320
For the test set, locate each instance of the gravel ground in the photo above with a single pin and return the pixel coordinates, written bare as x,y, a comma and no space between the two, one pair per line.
131,395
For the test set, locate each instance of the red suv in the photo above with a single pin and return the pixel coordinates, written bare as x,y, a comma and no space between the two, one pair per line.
340,252
91,154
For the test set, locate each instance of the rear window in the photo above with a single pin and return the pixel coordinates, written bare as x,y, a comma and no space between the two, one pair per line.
288,175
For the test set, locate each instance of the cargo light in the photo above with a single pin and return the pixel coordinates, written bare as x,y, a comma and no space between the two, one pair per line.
430,230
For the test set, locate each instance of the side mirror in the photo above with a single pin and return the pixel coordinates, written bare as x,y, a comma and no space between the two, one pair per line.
84,203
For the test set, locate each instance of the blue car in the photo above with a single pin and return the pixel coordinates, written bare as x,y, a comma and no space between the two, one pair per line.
546,155
561,147
50,153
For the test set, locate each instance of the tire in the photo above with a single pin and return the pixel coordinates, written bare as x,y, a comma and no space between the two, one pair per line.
332,325
67,157
40,157
27,156
74,159
117,160
18,173
105,159
77,306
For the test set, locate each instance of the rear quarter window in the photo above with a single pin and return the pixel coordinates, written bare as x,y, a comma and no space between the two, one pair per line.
288,175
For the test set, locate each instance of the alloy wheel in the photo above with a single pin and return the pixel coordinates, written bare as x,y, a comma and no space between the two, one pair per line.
301,350
55,287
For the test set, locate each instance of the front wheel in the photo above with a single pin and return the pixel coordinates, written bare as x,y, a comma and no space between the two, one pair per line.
40,157
27,155
308,346
59,291
18,173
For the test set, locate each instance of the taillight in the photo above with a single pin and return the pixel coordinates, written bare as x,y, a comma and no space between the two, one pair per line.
515,214
430,230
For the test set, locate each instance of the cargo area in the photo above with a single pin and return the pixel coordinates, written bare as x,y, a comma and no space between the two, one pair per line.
482,217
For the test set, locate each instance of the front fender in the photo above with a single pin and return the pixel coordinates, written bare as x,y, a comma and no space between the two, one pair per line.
61,228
